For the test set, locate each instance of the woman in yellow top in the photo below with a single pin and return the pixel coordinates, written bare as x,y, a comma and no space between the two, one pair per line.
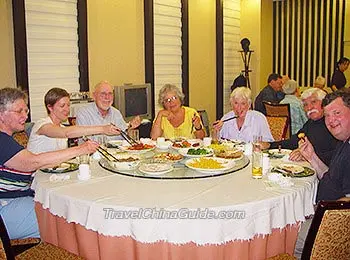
176,120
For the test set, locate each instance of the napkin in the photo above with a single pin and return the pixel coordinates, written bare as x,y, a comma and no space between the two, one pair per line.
280,180
59,177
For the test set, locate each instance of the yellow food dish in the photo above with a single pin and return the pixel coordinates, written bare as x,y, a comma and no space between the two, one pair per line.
206,163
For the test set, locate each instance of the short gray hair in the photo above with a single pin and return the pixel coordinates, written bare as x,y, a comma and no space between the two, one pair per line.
320,81
290,87
241,92
319,93
170,88
8,96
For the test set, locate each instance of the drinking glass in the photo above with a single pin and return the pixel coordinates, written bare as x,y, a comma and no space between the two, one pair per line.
134,134
257,157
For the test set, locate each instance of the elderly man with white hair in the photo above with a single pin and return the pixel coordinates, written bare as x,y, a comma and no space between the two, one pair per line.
298,116
246,123
315,129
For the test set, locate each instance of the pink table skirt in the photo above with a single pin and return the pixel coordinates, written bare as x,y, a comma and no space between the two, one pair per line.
91,245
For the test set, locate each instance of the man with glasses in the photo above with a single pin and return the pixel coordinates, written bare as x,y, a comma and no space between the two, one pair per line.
101,112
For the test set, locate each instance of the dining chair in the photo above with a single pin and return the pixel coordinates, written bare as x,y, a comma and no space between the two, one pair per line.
278,126
279,110
329,233
204,117
36,251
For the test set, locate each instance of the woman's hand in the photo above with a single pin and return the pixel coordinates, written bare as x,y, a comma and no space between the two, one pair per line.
196,121
88,147
135,122
165,113
217,125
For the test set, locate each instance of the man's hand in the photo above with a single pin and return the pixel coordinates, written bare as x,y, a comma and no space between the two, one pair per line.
296,155
306,149
135,122
111,130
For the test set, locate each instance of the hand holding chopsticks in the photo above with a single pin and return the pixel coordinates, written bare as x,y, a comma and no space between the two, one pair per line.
127,137
225,120
102,151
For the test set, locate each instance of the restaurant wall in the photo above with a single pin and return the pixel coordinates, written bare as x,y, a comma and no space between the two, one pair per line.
115,41
202,56
250,28
7,61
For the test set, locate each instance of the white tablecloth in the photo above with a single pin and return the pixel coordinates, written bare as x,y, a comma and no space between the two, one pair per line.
87,203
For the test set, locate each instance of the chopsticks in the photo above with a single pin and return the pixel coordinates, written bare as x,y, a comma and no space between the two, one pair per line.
103,151
227,119
127,137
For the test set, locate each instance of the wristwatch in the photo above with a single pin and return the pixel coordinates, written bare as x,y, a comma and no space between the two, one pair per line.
200,128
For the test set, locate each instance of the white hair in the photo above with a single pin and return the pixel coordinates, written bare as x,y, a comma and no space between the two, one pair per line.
319,93
242,92
290,87
320,81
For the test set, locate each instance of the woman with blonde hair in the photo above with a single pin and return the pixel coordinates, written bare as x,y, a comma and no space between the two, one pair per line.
246,123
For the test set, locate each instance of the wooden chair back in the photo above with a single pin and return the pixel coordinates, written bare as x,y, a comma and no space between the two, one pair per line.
279,110
329,233
278,126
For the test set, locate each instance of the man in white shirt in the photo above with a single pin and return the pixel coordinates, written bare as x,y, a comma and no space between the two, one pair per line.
101,111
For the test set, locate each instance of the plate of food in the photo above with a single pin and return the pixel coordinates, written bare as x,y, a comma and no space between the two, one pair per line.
170,157
278,153
235,154
138,148
125,161
62,168
289,168
196,152
186,144
155,168
293,170
209,165
114,143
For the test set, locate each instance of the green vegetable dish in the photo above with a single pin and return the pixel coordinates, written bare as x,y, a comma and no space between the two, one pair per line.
198,151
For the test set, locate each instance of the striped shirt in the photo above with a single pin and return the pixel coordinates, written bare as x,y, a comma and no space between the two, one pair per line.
13,183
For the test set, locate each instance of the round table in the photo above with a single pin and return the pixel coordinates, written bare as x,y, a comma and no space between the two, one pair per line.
194,212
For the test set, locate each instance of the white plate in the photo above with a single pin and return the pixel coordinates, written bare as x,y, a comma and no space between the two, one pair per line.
196,142
125,165
164,145
279,154
293,168
169,157
126,149
184,151
155,168
228,152
227,164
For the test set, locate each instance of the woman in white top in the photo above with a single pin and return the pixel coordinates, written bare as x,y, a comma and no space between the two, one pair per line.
248,123
48,134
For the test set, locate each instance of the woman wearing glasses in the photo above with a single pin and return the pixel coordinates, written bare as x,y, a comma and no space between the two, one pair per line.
176,120
48,134
18,164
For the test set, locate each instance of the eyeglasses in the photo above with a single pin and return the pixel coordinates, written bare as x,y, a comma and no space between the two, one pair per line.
168,100
105,94
21,111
